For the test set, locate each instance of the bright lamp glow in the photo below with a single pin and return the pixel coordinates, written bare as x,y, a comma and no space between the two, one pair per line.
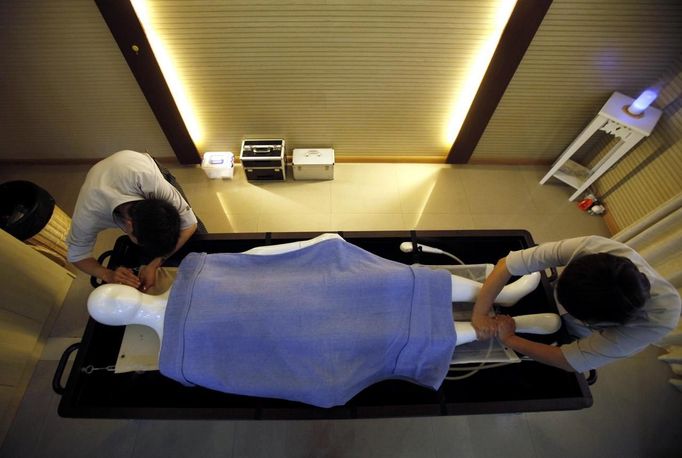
642,102
170,75
476,69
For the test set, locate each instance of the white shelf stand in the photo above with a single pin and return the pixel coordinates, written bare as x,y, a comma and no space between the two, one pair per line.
613,119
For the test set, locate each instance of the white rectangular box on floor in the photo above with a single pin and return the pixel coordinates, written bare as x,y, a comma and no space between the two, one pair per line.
313,164
218,164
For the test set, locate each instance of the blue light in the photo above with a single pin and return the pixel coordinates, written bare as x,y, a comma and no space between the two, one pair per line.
642,102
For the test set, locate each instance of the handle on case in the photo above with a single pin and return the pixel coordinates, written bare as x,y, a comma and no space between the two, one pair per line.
313,153
56,380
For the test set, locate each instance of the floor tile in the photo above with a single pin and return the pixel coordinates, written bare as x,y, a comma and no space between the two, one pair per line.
29,422
365,198
240,198
365,188
261,439
438,221
496,189
631,415
178,438
385,438
635,412
294,222
295,197
408,437
551,197
428,189
511,437
72,438
453,437
367,222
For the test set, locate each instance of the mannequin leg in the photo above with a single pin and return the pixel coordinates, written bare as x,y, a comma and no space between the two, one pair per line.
465,290
539,323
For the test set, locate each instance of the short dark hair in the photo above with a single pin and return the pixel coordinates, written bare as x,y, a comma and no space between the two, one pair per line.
602,287
156,226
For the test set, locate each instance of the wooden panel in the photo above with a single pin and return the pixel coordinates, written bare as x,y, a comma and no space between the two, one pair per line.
66,90
33,289
516,37
582,53
17,340
31,284
130,37
652,173
367,78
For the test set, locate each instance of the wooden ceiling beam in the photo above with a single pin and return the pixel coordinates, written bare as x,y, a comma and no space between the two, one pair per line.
132,41
523,23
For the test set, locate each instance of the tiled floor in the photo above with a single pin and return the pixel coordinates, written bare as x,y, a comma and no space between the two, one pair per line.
636,413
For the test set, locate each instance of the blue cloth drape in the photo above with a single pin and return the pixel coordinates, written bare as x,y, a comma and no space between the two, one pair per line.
315,325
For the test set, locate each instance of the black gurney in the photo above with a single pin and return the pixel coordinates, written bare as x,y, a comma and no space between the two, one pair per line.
528,386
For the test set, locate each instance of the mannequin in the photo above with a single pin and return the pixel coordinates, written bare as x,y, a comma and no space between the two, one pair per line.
314,324
118,305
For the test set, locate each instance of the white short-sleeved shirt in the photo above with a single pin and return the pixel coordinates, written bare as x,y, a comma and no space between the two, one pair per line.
125,176
602,343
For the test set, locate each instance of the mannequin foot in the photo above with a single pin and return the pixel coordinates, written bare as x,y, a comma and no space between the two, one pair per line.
512,293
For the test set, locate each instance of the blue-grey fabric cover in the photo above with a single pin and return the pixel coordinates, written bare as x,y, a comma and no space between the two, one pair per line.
316,325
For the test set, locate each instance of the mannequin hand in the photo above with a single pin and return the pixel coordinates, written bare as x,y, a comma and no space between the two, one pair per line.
506,327
121,276
147,277
484,325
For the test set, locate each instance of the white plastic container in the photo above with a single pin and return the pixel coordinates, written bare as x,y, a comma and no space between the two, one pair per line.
218,164
313,164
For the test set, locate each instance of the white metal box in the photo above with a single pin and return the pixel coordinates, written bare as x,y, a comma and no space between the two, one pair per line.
313,164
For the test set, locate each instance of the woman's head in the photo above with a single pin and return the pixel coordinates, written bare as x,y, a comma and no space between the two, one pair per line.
602,288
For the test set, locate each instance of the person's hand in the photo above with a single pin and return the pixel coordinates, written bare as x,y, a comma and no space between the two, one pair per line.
484,325
506,327
147,277
121,276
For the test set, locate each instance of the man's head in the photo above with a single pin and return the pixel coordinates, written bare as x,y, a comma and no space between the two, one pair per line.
155,226
602,287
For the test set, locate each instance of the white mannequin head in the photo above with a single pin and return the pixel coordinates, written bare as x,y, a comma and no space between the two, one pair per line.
118,305
114,305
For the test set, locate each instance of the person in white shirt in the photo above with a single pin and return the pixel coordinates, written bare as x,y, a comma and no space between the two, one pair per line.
612,302
130,191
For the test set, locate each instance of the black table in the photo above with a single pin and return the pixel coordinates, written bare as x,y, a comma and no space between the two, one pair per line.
523,387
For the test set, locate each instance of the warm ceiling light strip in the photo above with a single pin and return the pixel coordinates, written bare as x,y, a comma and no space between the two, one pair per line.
476,70
170,74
